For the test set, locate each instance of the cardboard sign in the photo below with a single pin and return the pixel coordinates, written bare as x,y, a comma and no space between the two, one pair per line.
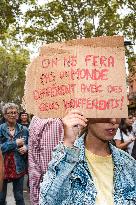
85,74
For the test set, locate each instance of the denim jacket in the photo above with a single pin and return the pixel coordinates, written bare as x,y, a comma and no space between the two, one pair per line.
68,180
7,145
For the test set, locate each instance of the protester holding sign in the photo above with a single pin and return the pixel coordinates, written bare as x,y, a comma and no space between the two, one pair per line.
87,75
89,170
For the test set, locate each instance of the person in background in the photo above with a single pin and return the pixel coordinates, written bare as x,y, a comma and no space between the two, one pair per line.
125,137
134,124
24,119
1,170
86,168
13,143
45,134
134,130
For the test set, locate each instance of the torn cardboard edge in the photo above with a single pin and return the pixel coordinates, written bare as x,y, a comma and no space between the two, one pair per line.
65,48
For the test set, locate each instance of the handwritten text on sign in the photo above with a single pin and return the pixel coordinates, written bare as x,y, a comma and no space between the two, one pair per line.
89,79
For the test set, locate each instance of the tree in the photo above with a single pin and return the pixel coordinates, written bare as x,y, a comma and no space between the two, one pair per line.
63,20
10,15
12,74
60,20
129,21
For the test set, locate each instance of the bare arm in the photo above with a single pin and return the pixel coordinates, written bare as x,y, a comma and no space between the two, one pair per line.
124,145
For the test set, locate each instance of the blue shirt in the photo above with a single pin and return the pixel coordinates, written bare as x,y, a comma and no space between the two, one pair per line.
68,180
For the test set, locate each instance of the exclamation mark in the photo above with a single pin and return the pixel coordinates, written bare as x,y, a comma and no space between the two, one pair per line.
121,104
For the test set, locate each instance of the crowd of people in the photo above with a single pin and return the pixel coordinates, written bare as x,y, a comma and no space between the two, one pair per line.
70,161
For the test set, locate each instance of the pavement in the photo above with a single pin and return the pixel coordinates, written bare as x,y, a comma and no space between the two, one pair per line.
10,198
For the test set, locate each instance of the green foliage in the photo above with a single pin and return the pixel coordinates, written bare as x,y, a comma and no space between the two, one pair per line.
10,13
63,20
60,20
12,73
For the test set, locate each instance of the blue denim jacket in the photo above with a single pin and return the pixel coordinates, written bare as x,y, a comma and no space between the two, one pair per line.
7,145
68,180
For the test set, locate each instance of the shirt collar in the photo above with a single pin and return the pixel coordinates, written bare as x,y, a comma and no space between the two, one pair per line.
18,128
116,153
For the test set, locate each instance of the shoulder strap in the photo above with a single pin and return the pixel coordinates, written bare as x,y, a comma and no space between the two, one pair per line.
121,134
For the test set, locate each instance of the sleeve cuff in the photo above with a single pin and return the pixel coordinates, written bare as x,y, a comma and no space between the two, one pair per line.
71,154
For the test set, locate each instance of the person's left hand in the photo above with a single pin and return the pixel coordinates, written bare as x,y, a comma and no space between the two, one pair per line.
22,150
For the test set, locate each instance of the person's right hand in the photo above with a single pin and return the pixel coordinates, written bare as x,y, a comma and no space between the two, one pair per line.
22,150
73,122
20,142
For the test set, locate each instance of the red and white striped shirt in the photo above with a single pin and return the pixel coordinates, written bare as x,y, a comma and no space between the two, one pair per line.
45,134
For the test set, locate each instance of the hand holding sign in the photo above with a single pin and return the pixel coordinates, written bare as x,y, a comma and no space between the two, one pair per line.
73,119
